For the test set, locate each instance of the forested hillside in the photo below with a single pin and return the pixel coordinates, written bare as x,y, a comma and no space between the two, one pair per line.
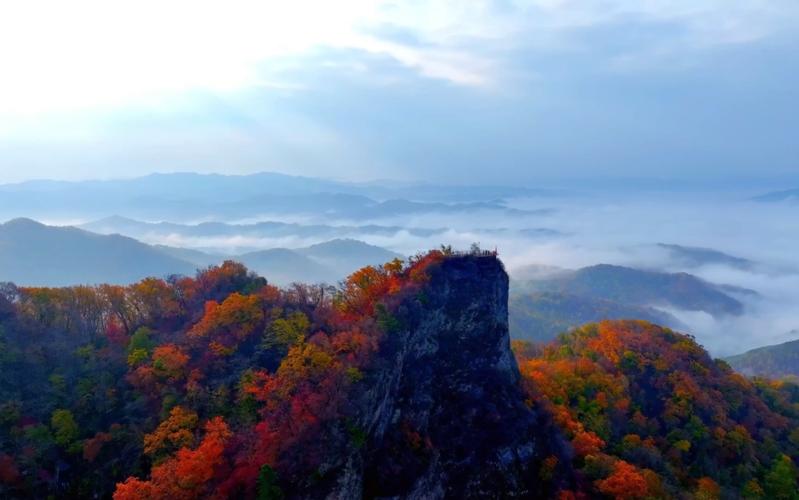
651,415
223,384
399,383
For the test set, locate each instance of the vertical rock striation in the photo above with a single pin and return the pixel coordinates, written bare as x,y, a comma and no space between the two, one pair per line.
440,414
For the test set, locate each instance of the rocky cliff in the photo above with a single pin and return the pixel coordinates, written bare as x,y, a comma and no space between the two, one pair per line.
441,413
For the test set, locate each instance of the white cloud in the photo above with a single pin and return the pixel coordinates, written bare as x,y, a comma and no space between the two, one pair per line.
73,73
62,56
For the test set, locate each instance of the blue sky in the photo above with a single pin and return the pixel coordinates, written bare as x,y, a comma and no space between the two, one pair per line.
497,91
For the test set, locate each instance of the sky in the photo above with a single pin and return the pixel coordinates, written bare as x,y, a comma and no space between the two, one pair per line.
468,92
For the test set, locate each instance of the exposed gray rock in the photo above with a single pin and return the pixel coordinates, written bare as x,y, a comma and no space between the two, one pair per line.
441,410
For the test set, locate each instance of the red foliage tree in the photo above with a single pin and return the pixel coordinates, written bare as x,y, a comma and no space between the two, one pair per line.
625,483
185,476
169,362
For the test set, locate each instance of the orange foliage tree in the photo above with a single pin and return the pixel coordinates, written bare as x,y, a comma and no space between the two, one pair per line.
625,483
185,476
655,398
176,432
224,326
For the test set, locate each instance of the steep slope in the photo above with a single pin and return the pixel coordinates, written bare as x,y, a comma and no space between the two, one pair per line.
34,254
444,416
652,415
774,361
403,384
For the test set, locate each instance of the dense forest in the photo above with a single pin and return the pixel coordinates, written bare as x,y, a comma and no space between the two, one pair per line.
223,385
651,415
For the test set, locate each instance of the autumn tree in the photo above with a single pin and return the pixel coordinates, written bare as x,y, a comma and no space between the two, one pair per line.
224,326
174,433
186,475
169,362
707,489
625,483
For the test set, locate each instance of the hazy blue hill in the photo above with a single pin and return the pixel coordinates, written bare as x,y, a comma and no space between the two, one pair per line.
282,266
541,316
328,262
116,224
266,229
777,196
195,185
698,256
405,207
177,186
196,257
353,207
642,288
191,196
524,276
348,254
773,361
35,254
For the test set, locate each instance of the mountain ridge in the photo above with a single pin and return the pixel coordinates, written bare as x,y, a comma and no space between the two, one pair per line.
774,361
400,383
29,252
638,287
32,253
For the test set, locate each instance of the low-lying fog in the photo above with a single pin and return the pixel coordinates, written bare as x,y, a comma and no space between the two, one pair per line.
581,230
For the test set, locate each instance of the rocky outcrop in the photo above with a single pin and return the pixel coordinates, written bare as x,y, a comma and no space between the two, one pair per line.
441,414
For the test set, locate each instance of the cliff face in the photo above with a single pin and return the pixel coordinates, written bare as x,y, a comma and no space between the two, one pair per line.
441,414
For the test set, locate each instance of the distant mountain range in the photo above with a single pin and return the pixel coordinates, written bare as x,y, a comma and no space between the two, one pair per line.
268,229
541,316
329,262
227,237
177,186
545,300
637,287
35,254
192,196
775,361
692,257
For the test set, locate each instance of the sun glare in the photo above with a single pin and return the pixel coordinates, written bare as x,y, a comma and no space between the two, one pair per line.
90,54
